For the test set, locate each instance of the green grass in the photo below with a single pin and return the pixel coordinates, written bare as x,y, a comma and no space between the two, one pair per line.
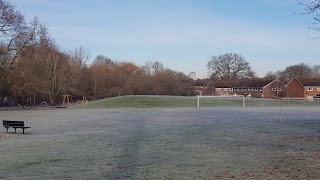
254,102
142,102
139,101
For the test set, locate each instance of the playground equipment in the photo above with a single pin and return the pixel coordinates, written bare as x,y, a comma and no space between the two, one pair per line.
84,100
65,101
29,101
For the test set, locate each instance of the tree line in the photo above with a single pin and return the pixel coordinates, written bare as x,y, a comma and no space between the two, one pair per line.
232,66
32,64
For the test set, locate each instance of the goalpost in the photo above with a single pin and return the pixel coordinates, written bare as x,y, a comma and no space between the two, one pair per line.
243,99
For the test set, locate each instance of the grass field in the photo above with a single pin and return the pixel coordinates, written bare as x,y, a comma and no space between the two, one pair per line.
191,101
163,143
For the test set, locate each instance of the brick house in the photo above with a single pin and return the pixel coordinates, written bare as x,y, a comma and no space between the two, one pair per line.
219,88
271,88
303,87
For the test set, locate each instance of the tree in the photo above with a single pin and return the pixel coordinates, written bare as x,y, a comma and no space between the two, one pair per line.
102,78
169,82
298,70
15,36
274,75
311,8
230,67
79,74
270,75
123,72
316,70
56,69
152,68
47,71
101,59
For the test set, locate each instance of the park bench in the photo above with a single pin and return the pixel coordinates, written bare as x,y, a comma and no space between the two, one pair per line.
15,125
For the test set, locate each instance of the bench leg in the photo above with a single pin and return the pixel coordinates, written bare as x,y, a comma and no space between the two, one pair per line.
15,130
7,130
22,130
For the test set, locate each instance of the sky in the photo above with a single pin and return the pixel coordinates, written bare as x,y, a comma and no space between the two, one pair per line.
181,34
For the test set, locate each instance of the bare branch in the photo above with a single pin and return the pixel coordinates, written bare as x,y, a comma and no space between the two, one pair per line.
311,8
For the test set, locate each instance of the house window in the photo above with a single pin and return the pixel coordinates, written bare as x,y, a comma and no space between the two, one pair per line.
318,89
260,89
274,89
251,89
256,89
225,89
230,89
310,89
218,89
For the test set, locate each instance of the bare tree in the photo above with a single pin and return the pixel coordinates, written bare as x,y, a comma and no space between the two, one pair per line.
102,79
298,70
15,37
316,70
15,34
274,75
169,82
312,7
101,59
152,68
230,67
51,71
55,69
77,80
270,75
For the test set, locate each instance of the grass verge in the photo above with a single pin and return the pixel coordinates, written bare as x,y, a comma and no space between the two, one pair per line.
140,101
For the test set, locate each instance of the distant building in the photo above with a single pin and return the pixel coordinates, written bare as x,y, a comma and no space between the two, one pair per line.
271,88
219,88
303,87
193,76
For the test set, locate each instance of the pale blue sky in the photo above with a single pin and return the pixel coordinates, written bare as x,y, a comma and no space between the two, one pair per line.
181,34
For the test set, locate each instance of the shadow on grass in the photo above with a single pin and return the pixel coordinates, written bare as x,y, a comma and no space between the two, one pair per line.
129,158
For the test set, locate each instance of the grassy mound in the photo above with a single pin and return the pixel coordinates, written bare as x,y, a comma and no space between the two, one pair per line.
139,101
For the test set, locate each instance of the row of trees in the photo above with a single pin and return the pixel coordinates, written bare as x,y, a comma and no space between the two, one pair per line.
234,67
31,64
298,70
112,78
50,73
